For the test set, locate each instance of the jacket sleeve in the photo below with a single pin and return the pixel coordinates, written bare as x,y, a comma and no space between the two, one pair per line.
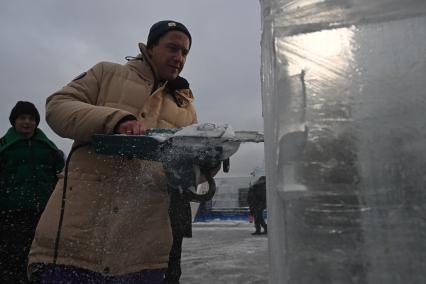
72,112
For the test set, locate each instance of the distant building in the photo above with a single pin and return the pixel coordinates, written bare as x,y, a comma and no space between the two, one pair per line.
231,193
229,202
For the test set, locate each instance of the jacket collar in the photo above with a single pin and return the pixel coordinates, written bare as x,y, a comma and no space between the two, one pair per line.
183,97
12,137
139,65
145,68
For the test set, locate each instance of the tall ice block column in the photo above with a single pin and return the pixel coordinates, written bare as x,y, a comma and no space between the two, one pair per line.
344,104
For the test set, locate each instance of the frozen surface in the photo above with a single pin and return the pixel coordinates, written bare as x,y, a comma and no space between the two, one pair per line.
207,130
210,130
224,252
343,85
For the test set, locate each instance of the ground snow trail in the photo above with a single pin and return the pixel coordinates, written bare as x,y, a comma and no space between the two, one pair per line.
224,252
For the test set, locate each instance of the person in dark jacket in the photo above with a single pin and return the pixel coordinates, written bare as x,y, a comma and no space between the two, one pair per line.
29,164
181,223
256,200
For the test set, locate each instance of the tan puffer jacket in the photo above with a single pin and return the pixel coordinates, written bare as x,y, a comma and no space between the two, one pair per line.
116,213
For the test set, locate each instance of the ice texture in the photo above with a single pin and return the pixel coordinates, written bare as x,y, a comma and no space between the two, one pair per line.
344,103
207,130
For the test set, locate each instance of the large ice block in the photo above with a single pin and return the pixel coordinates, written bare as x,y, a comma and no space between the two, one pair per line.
344,103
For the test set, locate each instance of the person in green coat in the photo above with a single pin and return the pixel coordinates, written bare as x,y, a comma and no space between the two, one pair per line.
29,165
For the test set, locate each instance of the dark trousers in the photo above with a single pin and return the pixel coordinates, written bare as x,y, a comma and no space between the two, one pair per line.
174,270
181,223
64,274
259,221
16,235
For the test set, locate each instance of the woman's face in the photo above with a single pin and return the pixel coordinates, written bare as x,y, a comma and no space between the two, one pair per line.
25,125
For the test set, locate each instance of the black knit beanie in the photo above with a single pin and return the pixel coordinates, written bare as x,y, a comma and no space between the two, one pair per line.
23,107
160,28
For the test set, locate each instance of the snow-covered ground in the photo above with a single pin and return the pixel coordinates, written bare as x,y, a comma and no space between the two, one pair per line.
224,252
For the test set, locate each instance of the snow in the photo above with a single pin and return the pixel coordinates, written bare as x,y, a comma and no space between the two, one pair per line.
224,252
207,130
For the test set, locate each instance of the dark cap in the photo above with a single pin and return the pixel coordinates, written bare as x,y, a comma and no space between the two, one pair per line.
161,28
23,107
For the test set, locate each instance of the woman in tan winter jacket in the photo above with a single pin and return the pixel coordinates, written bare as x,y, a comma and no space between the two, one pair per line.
115,222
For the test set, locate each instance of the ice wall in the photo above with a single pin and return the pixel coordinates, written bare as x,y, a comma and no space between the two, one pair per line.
344,103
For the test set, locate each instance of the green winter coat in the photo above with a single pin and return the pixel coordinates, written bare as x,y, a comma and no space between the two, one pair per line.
28,170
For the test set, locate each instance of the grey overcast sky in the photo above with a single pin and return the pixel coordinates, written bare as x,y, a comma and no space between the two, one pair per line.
46,43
